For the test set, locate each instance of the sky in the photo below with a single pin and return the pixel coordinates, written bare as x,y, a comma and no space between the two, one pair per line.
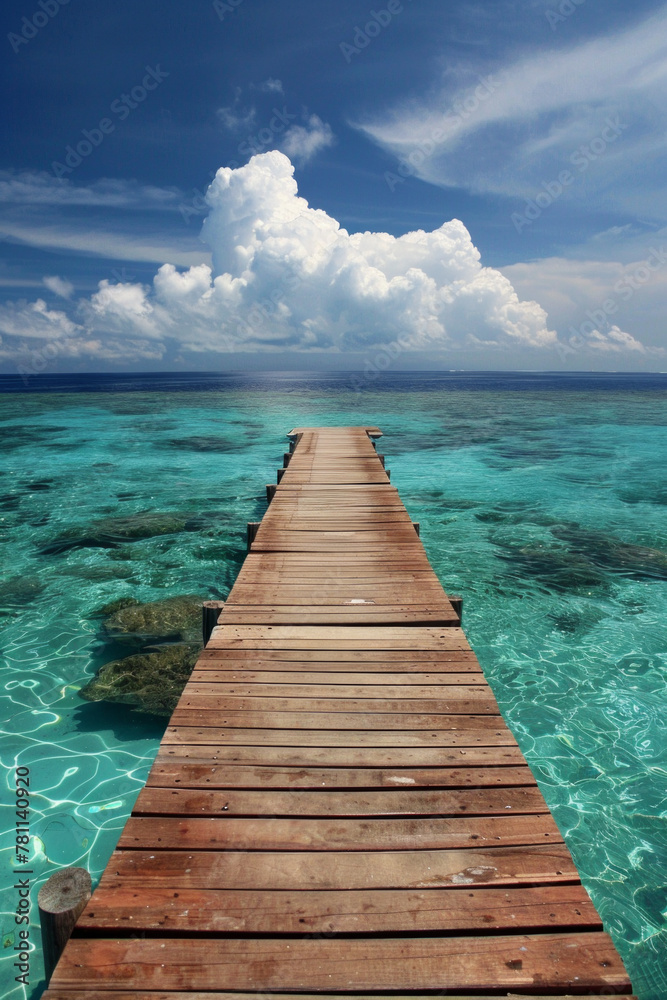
250,184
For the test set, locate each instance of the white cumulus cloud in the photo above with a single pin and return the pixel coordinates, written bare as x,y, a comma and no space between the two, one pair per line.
592,302
287,276
36,321
614,339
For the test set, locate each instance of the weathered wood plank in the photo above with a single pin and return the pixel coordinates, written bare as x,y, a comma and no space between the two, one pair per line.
400,800
332,637
384,661
376,583
355,912
584,961
461,700
392,758
459,717
315,834
304,684
296,870
336,615
141,994
170,771
465,742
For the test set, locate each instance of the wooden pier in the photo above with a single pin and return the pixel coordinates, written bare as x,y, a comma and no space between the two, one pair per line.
337,806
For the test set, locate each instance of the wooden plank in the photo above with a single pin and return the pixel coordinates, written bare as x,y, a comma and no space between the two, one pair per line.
339,541
141,994
328,593
355,912
171,771
465,742
412,661
334,637
295,683
266,870
315,834
298,580
393,759
459,717
457,700
585,961
336,615
400,800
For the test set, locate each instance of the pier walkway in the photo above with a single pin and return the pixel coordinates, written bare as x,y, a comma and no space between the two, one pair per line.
337,806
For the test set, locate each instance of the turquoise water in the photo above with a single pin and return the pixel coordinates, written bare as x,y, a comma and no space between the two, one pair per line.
541,500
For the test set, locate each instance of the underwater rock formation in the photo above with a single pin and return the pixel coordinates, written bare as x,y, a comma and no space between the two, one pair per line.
174,619
151,681
609,552
207,442
109,532
18,590
557,568
113,606
166,636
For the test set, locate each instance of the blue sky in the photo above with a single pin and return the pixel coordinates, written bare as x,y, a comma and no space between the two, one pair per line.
538,124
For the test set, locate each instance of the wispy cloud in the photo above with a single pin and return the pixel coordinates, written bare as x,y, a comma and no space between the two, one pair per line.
105,242
270,86
59,286
539,114
43,189
236,116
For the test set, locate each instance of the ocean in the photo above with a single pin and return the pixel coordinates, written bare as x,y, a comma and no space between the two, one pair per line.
541,499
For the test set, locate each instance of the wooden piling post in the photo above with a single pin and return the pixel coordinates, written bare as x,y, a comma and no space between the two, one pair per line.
286,457
210,614
381,457
61,899
457,603
253,527
280,474
415,525
270,491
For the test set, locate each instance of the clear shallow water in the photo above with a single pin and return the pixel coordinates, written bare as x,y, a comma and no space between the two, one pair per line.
542,500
